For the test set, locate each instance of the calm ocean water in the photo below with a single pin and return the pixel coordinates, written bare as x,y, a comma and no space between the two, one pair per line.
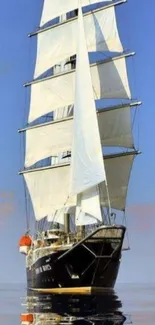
127,304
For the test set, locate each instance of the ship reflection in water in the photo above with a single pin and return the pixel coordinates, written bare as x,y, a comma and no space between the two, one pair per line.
98,309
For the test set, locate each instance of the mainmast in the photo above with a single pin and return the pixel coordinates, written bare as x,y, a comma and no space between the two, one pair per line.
61,113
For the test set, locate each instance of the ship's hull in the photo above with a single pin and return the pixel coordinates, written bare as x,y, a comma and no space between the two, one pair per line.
92,262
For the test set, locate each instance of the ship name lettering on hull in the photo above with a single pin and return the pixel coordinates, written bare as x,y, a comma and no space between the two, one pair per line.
43,268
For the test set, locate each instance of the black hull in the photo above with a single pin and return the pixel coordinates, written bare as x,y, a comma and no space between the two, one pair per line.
93,262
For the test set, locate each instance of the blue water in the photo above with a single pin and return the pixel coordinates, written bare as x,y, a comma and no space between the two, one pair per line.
127,304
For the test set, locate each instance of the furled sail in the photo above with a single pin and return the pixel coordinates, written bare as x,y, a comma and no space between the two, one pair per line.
58,90
87,168
53,9
49,188
59,42
50,139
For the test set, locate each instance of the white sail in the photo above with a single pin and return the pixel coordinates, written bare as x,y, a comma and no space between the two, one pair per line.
60,42
86,213
88,209
81,185
116,127
55,8
58,91
53,138
87,168
49,188
118,172
57,216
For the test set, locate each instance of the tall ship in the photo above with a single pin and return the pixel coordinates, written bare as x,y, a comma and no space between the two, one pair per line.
79,148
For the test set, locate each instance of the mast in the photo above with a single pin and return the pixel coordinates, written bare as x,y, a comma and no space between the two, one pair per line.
61,113
107,127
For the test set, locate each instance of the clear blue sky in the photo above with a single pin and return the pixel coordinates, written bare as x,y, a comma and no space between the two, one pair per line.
137,25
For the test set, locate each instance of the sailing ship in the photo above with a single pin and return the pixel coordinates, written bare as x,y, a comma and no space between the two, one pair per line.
79,149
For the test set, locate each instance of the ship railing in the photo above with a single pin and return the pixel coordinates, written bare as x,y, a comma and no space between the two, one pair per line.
64,242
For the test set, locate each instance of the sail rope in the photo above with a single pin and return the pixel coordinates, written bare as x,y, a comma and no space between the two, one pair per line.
22,147
24,185
26,207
